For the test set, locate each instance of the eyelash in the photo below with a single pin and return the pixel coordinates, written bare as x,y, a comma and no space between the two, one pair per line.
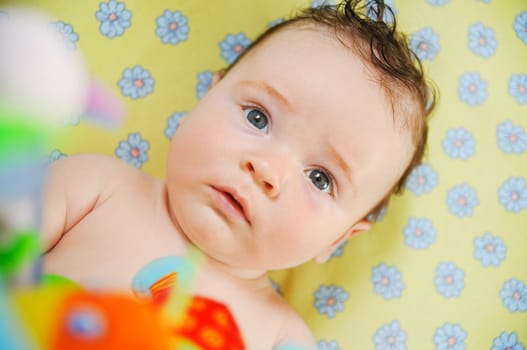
332,182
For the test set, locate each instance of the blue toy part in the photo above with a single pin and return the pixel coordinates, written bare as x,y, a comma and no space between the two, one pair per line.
159,268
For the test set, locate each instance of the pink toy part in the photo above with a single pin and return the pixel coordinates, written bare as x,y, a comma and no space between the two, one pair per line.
102,106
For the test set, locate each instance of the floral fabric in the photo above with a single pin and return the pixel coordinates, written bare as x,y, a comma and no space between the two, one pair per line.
444,265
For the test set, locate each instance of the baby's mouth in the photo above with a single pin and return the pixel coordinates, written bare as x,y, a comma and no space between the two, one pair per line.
231,203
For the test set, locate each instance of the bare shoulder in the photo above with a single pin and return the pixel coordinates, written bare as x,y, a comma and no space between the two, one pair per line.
295,334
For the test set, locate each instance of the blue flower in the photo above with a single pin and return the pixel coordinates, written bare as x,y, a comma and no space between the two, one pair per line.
514,295
134,150
489,250
419,233
173,123
387,281
518,87
55,155
449,280
437,2
390,337
275,286
233,46
329,300
511,138
136,82
459,144
425,43
520,23
67,32
507,341
450,336
328,345
204,83
319,3
339,250
481,40
379,216
387,17
276,22
472,90
461,200
421,180
172,27
513,194
114,18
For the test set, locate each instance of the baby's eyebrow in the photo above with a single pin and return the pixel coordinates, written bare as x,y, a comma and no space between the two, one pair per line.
271,91
341,163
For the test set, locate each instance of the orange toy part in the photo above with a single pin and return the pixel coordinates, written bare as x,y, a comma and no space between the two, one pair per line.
210,325
109,322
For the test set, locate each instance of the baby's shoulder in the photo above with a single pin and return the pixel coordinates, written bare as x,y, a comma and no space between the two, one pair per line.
294,331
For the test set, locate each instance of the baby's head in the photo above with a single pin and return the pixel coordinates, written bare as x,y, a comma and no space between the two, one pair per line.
306,134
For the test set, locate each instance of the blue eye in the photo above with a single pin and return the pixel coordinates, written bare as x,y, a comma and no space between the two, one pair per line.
321,180
257,118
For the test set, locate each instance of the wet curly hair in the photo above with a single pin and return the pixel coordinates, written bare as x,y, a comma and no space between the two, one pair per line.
368,28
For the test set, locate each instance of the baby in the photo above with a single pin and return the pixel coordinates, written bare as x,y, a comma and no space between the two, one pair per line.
308,133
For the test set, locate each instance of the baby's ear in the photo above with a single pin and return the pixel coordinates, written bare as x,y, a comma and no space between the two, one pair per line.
361,226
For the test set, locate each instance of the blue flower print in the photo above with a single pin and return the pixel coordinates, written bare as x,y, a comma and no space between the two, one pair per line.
459,144
172,27
134,150
461,200
419,233
481,40
67,32
520,25
114,18
513,194
513,294
319,3
204,83
511,138
450,337
390,337
422,180
136,82
55,155
518,87
472,90
276,22
329,300
173,123
388,16
436,3
328,345
233,46
507,341
275,286
425,43
489,250
449,280
339,250
387,281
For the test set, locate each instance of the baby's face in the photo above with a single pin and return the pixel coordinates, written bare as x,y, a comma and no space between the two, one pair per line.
285,155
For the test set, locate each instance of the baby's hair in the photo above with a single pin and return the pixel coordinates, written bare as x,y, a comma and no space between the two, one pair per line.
368,28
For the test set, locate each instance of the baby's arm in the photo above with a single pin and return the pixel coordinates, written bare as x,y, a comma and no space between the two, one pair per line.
297,335
75,185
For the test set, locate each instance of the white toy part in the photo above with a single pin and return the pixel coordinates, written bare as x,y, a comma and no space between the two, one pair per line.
40,76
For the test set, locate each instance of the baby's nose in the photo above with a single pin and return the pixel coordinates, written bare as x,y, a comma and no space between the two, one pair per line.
266,174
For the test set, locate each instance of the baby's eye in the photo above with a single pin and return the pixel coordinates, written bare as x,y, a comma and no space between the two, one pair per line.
321,180
257,118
